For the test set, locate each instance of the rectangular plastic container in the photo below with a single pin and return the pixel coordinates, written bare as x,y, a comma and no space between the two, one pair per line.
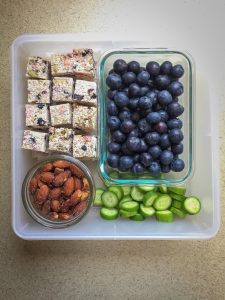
143,56
204,183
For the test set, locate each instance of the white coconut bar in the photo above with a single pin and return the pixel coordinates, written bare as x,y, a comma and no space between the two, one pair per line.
38,91
84,146
60,139
62,89
35,140
84,117
37,115
85,92
38,68
61,114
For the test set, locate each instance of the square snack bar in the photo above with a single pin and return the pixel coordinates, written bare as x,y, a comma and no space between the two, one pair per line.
79,63
38,68
62,89
37,115
61,114
38,91
85,92
84,117
35,140
84,146
60,139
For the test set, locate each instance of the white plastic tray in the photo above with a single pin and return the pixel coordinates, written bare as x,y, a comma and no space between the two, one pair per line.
204,183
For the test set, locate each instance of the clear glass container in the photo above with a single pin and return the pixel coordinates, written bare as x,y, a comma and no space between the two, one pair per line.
33,210
186,99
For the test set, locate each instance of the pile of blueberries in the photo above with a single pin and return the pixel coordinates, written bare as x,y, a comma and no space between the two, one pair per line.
143,111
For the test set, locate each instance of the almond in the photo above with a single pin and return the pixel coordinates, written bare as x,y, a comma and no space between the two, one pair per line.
46,207
47,167
76,197
55,193
76,171
53,215
47,177
62,164
33,185
42,194
40,183
86,186
64,216
79,208
68,187
61,178
77,183
84,196
65,206
58,171
55,205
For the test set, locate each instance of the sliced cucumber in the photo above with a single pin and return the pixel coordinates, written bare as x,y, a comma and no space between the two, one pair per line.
138,217
109,213
164,216
180,190
178,212
163,202
163,188
98,197
127,175
192,205
149,198
117,190
147,188
127,214
177,204
126,190
177,197
109,199
130,206
125,199
136,194
147,211
114,175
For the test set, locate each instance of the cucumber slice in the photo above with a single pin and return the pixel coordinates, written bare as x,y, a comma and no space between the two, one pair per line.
136,194
98,197
163,188
109,213
163,202
127,214
147,211
127,175
125,199
109,199
177,204
192,205
180,190
177,197
126,190
149,198
147,188
138,217
178,212
130,206
117,190
114,175
164,216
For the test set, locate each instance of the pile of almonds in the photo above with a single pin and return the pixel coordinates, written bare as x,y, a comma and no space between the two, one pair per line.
60,190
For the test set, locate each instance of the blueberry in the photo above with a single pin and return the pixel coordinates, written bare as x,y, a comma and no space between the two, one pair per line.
134,90
174,123
120,66
153,68
154,168
165,168
177,149
144,126
143,146
113,122
176,135
145,159
177,71
135,132
113,160
155,151
136,158
133,103
164,115
151,84
111,71
164,141
153,96
177,165
125,90
118,136
165,68
160,127
111,94
133,143
164,98
152,138
121,99
128,78
114,147
133,66
124,115
145,103
112,108
143,78
162,81
135,116
125,150
144,112
125,163
176,88
138,168
175,109
144,90
127,126
114,81
153,117
166,157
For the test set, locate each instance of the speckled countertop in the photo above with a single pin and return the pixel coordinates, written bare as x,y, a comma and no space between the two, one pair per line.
113,269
